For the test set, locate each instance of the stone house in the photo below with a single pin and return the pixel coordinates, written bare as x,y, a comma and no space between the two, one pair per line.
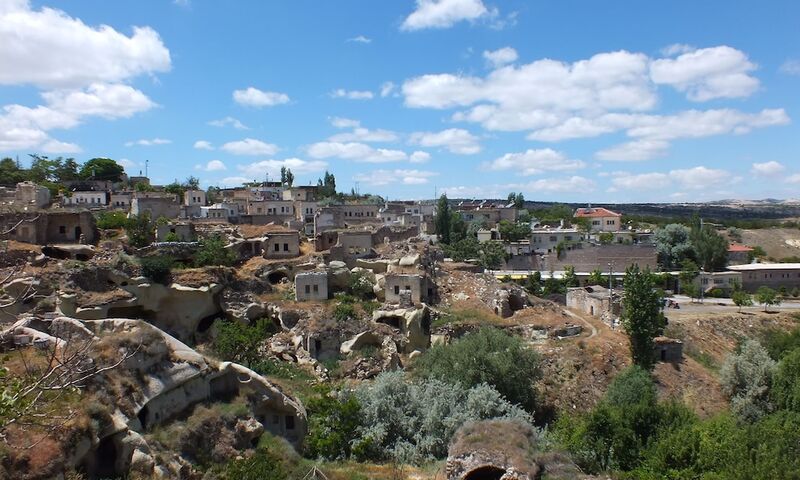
184,231
739,254
667,349
194,198
488,212
281,245
221,211
271,207
342,216
156,204
50,227
600,219
352,245
311,286
772,275
86,199
415,284
594,300
121,200
30,194
545,240
305,193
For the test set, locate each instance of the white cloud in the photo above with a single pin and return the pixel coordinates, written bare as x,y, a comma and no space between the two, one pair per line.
534,162
445,13
695,178
352,94
653,133
642,181
456,140
700,177
791,67
793,178
56,146
128,165
387,88
50,49
389,177
102,100
182,3
148,142
340,122
708,73
419,157
574,184
273,167
358,152
212,166
234,181
361,134
253,97
360,39
228,121
501,56
676,49
203,145
767,169
250,146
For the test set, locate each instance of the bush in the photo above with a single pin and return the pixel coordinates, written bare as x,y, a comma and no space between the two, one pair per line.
786,382
779,343
212,252
139,230
746,378
157,269
415,421
333,427
488,356
360,286
112,220
240,343
344,311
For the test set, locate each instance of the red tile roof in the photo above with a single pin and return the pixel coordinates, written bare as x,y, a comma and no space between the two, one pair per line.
735,247
595,212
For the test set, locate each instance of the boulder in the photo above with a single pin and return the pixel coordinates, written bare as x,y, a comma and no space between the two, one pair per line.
360,341
247,431
414,325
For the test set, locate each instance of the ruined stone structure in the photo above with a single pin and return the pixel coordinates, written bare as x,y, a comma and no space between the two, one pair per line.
594,300
667,349
352,245
415,285
311,286
29,194
50,227
183,231
281,245
155,204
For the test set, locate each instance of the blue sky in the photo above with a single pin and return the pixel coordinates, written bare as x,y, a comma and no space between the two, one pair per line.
562,100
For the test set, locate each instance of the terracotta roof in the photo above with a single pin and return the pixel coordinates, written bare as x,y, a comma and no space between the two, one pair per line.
735,247
595,212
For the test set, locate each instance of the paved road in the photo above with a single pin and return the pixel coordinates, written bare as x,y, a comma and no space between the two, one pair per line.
724,304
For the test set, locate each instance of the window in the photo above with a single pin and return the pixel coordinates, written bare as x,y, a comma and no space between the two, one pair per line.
277,247
285,247
611,222
308,289
62,229
397,289
316,288
289,422
595,222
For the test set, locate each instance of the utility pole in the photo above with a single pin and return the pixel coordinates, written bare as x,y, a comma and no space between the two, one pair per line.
146,164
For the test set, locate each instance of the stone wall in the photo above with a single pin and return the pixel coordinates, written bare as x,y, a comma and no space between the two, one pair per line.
311,286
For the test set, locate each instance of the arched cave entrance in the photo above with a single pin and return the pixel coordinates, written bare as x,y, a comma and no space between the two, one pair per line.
487,472
392,320
275,277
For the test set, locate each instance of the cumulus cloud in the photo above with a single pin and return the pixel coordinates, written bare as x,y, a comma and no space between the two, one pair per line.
203,145
228,122
634,151
793,178
253,97
389,177
456,140
355,151
50,49
340,122
535,162
361,134
388,88
250,146
676,49
500,57
767,169
695,178
102,100
212,166
148,142
352,94
235,181
273,167
419,157
708,73
445,13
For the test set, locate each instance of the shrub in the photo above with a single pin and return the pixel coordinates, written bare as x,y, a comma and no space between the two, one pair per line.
240,343
779,343
360,286
157,269
415,421
112,220
333,427
746,378
786,382
212,252
139,230
344,311
488,356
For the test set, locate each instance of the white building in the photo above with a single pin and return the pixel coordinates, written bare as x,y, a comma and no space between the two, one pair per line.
86,199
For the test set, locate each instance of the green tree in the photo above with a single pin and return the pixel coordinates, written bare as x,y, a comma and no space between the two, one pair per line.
742,299
674,245
606,238
326,185
102,169
642,318
570,279
287,177
746,378
458,227
524,216
11,173
67,170
112,220
442,219
465,249
534,283
596,277
191,183
157,269
139,229
175,188
211,251
488,356
767,297
513,232
492,255
333,426
711,248
236,342
786,382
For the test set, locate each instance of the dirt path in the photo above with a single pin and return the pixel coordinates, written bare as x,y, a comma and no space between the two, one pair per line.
583,320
